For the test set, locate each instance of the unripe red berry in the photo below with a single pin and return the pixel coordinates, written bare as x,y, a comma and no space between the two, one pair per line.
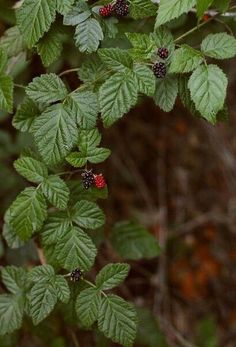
106,10
99,181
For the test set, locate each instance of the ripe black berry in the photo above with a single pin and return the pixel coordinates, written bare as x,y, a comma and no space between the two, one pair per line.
76,275
163,53
106,10
121,8
159,69
87,178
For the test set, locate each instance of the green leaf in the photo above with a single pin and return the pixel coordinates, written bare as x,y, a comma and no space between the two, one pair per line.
3,59
222,5
55,133
207,86
112,275
142,8
43,298
63,7
118,320
109,27
93,71
87,214
78,13
145,79
50,46
41,273
95,156
13,278
185,96
84,105
62,288
185,59
55,227
25,115
133,241
34,18
166,93
219,46
76,249
11,313
143,46
12,41
6,93
28,212
170,9
162,37
116,96
88,35
56,191
88,140
33,170
87,305
47,88
202,6
12,239
115,58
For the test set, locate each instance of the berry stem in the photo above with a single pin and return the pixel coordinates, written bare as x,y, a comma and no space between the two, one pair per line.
93,285
68,71
192,30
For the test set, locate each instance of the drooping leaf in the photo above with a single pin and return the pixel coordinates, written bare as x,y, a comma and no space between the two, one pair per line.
112,275
32,169
88,35
219,46
166,93
56,191
185,59
170,9
34,18
6,93
133,241
55,133
207,86
25,115
11,313
50,46
87,305
87,214
116,96
28,212
117,320
76,249
47,88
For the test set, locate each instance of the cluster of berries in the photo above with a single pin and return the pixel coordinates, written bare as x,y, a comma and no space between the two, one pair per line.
76,275
159,68
120,8
89,179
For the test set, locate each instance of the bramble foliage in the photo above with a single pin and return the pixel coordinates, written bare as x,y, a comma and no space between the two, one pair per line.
55,210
